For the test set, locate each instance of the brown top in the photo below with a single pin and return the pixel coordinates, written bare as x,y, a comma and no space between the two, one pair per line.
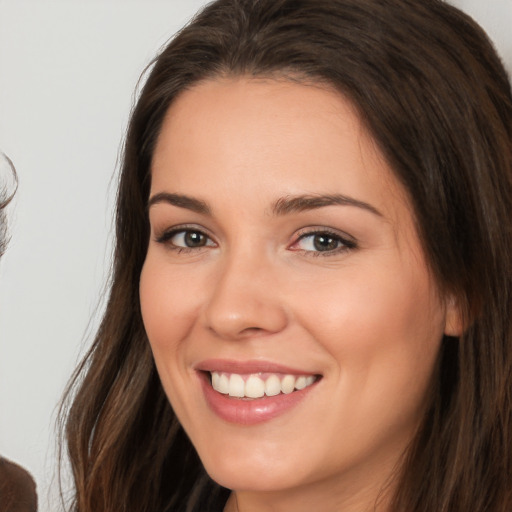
17,489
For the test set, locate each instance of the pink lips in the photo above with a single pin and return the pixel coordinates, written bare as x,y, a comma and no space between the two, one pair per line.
248,411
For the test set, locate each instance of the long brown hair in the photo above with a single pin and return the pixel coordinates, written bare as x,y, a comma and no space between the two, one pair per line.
435,97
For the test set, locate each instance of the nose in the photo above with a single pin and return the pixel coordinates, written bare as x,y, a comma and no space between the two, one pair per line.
244,300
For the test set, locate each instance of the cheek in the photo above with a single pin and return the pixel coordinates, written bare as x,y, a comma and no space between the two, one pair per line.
383,336
168,306
168,301
380,325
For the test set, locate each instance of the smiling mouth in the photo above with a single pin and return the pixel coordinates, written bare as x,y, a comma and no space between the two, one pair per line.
258,385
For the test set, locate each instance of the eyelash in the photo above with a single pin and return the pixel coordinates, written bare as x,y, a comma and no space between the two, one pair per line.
166,237
344,243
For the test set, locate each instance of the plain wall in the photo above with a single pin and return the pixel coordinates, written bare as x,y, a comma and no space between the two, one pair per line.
68,71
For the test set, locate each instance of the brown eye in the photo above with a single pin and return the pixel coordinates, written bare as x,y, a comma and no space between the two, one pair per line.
186,239
194,239
324,242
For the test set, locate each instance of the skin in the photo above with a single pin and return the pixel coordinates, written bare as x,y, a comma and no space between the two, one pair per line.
366,316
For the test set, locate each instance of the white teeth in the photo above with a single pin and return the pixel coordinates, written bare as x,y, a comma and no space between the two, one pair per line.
236,386
216,380
254,386
223,386
288,384
300,383
273,386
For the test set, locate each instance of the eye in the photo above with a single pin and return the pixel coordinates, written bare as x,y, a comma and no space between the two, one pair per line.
183,239
323,242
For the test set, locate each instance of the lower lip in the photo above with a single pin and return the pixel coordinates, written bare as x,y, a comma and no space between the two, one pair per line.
250,411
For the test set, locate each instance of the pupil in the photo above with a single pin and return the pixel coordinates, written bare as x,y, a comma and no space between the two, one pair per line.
325,243
194,239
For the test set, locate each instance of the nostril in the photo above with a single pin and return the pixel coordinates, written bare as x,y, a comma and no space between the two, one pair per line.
252,330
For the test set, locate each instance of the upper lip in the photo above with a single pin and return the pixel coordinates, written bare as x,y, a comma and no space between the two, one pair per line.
247,367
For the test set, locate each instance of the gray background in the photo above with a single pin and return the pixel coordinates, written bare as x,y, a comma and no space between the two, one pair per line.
68,71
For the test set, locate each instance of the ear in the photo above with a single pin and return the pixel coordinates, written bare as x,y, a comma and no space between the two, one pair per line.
454,324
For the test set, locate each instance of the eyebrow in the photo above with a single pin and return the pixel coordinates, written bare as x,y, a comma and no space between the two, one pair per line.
302,203
283,206
181,201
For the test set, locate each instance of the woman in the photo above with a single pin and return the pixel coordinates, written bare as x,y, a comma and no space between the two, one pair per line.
311,289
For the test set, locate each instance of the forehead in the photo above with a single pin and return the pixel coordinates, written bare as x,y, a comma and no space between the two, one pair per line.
253,136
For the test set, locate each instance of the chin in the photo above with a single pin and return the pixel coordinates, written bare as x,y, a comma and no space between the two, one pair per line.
254,470
253,479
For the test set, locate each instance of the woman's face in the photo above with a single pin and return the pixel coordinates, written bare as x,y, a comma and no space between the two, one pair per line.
283,255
